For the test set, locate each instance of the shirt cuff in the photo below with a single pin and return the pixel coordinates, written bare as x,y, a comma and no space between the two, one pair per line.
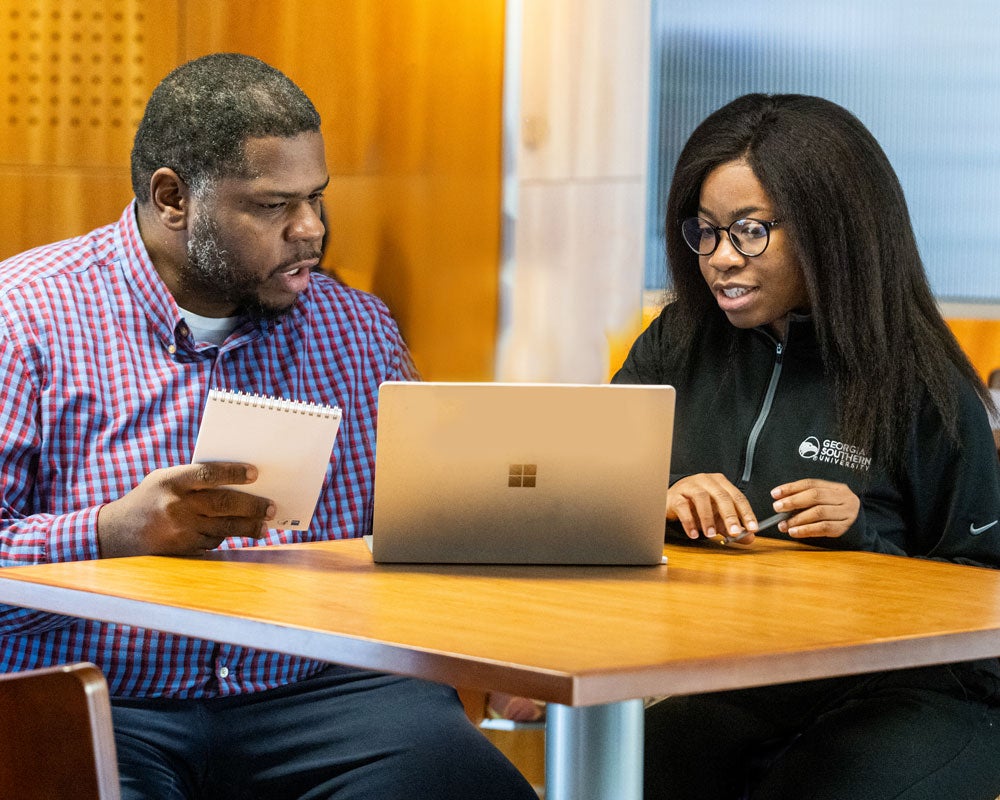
73,536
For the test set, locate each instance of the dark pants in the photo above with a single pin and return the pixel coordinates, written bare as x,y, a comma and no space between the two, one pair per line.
343,734
909,735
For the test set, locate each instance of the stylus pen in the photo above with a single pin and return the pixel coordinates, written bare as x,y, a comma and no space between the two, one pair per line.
770,522
763,525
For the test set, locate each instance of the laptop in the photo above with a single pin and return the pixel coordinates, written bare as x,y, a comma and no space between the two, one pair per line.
503,473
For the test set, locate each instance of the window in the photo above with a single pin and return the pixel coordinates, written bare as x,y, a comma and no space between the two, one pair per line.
923,76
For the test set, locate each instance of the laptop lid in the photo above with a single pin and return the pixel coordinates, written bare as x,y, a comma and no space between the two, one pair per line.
501,473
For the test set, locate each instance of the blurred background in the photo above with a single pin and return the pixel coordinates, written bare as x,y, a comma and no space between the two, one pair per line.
498,168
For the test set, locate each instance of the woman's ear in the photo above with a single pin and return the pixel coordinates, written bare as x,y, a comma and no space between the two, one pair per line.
169,197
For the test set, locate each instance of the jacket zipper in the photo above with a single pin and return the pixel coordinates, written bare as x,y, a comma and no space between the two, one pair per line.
765,410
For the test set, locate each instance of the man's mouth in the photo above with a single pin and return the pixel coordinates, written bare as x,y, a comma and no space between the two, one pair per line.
294,278
296,267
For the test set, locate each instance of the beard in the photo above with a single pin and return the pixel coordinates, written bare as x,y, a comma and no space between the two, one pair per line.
219,276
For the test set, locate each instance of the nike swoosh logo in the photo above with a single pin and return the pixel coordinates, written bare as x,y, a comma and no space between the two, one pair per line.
976,531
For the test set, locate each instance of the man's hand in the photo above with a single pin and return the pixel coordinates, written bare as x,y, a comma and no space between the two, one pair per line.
183,511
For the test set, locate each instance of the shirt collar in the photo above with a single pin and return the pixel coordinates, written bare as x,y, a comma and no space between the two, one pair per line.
151,294
147,288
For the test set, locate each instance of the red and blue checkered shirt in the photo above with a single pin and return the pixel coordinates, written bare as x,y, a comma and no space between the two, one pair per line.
102,384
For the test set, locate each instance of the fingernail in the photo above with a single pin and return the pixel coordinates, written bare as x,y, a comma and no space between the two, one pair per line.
776,493
710,532
251,473
752,525
779,506
271,511
735,529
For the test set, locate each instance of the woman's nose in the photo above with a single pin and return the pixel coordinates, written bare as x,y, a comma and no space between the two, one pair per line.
726,256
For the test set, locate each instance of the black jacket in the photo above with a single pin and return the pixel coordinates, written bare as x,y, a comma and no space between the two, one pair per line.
761,412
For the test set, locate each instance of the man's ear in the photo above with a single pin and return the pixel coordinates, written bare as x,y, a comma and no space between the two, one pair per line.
170,198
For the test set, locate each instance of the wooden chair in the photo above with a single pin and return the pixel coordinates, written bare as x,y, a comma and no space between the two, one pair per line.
523,744
55,726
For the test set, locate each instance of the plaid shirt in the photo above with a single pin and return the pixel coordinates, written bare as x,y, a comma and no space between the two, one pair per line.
102,384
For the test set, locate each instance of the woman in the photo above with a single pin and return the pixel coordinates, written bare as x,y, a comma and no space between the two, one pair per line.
816,378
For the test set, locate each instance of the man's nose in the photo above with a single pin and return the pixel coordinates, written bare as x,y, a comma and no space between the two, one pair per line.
307,224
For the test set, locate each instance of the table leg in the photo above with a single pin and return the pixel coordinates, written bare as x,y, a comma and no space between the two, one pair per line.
594,752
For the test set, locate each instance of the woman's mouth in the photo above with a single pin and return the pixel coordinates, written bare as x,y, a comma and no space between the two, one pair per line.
734,298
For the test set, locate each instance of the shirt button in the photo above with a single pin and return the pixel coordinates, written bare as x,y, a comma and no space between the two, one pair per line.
171,348
223,672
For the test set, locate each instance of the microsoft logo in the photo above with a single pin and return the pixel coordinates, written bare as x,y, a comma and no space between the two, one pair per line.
522,475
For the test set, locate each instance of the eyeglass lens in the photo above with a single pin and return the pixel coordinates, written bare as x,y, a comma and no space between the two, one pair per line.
749,236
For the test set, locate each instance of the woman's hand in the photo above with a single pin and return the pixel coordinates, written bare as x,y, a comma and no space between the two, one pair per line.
817,508
709,505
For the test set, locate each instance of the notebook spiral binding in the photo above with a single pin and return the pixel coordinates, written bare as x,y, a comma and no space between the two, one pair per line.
276,403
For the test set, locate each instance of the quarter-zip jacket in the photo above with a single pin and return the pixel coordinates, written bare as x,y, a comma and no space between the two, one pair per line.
762,413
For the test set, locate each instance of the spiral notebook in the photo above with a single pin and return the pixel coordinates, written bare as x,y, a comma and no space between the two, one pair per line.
289,442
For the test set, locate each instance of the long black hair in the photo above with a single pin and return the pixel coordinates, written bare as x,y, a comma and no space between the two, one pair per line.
882,338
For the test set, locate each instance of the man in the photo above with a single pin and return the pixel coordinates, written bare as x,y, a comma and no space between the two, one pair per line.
109,344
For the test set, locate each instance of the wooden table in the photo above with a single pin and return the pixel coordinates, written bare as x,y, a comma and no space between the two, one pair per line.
592,641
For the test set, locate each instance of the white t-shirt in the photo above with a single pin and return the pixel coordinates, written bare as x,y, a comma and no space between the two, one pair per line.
209,329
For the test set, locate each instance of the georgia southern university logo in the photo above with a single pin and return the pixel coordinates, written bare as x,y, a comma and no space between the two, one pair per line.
830,451
809,448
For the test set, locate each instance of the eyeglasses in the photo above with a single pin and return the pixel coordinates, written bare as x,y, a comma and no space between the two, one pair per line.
749,236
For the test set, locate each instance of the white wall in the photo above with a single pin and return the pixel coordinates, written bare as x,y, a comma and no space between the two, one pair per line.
576,122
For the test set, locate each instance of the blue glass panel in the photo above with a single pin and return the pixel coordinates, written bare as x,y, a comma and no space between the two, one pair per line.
923,76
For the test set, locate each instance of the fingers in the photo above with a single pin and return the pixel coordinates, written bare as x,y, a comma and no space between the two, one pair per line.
817,508
228,527
229,504
209,541
210,475
709,505
215,511
184,511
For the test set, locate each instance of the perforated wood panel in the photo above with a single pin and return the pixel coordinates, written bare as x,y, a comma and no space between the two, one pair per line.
75,75
410,93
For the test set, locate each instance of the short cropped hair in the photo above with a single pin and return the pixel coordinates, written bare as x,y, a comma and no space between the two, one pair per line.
200,116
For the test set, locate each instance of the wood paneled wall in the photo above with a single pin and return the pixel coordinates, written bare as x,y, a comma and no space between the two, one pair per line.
980,338
410,94
73,83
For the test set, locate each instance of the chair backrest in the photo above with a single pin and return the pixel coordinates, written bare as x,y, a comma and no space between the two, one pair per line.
56,735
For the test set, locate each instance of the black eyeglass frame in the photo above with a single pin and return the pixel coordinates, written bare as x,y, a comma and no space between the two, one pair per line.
717,230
